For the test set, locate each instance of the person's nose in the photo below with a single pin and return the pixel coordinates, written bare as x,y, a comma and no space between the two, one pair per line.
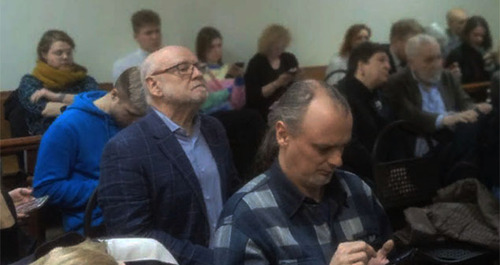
196,72
335,158
156,35
387,65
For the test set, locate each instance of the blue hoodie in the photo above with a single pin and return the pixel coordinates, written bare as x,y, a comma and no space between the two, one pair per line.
68,160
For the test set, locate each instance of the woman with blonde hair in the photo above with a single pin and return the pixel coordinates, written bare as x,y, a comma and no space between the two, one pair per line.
53,83
271,70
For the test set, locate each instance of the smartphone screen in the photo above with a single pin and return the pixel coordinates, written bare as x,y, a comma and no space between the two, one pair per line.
32,205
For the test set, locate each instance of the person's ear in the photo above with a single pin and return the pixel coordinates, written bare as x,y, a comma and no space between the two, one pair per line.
282,134
360,68
153,87
114,94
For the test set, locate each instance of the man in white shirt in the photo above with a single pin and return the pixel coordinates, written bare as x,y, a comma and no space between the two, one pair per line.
147,33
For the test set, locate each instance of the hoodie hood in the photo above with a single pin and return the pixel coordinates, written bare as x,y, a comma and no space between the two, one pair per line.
85,102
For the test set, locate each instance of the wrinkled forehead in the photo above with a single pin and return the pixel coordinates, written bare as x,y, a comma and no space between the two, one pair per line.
173,56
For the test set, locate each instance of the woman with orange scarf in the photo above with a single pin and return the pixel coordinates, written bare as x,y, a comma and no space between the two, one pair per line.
53,83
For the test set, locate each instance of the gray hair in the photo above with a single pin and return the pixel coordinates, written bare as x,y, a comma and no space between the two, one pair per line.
129,87
147,68
417,41
290,109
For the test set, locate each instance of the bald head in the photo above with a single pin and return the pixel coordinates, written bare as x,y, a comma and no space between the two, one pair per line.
456,19
162,59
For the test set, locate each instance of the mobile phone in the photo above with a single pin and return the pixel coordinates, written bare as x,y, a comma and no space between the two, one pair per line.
240,64
32,205
292,71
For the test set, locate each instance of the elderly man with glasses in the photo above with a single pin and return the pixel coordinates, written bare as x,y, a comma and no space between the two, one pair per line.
168,175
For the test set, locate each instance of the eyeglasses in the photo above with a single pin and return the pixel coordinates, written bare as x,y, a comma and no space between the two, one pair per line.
184,69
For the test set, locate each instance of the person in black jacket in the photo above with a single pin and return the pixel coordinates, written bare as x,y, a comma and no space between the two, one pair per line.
271,70
473,56
368,68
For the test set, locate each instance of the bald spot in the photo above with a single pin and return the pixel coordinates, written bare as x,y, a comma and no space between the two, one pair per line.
325,116
455,14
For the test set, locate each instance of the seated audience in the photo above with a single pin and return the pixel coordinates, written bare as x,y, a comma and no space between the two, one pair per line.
146,25
54,82
473,56
433,100
368,69
401,31
271,70
244,127
67,167
455,18
302,209
167,175
355,35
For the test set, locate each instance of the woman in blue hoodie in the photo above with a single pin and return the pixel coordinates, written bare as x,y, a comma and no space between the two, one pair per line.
67,166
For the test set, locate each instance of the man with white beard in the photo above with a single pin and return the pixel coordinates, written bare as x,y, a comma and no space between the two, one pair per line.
432,98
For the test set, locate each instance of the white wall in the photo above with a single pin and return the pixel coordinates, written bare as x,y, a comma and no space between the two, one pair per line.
102,32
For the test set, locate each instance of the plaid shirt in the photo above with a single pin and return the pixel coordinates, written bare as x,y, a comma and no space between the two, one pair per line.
269,221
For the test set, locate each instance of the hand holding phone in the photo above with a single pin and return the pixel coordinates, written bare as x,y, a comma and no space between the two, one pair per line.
24,208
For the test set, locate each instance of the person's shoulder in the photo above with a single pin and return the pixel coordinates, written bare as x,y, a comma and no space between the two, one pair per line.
288,56
352,183
257,58
338,60
125,59
136,133
28,79
249,197
132,59
89,79
211,123
401,76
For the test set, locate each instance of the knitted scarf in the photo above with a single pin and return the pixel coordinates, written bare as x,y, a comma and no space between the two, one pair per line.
55,79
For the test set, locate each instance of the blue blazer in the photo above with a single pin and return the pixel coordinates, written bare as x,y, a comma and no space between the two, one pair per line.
148,187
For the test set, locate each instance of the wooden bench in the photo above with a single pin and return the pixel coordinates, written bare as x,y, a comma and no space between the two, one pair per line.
477,91
314,72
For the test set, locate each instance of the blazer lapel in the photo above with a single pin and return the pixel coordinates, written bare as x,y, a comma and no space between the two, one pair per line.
445,96
413,87
172,149
217,149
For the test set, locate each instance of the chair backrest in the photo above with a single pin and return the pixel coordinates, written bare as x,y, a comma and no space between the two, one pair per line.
336,72
407,180
88,229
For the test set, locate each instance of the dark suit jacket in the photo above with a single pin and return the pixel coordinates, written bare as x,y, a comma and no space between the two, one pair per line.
406,100
370,115
394,68
148,187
